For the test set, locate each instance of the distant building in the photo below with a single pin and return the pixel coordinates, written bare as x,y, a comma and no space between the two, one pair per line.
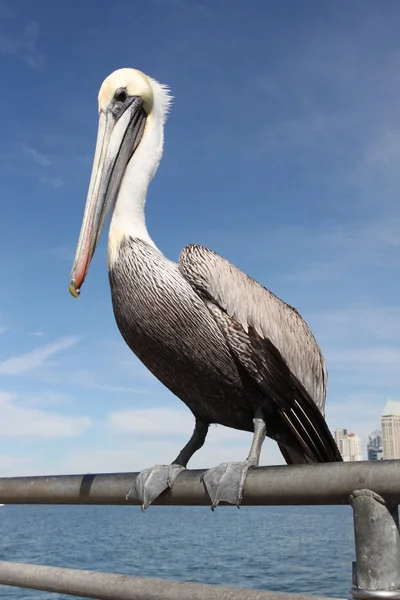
352,450
391,430
340,434
374,446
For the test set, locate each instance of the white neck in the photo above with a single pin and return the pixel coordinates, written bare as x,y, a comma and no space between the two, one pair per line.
128,218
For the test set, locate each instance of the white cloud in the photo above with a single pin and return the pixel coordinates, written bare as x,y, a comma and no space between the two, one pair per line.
344,254
93,380
359,322
361,345
374,367
23,46
54,182
338,253
9,465
47,398
18,365
3,329
37,156
152,421
162,421
105,387
381,356
37,333
19,422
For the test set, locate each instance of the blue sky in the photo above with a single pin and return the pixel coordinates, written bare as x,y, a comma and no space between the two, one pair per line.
282,154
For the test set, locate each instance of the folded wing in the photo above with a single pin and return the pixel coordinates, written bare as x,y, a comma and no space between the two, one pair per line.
273,343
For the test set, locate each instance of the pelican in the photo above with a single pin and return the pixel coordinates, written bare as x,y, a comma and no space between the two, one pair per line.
230,349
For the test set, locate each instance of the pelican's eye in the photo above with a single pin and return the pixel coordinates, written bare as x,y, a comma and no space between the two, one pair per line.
120,95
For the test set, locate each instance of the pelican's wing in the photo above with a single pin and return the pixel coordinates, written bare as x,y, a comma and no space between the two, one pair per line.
271,341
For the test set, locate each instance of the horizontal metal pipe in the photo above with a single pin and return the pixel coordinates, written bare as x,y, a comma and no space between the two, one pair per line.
328,483
111,586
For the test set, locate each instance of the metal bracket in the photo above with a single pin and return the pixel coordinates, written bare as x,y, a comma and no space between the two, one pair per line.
376,572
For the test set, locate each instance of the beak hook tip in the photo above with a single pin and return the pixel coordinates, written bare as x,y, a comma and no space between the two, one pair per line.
75,292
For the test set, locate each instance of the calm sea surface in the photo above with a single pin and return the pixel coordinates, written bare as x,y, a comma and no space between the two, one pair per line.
296,549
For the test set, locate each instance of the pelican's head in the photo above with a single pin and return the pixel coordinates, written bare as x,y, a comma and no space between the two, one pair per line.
126,104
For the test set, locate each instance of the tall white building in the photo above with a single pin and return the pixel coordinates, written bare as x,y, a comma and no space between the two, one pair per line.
351,448
340,434
391,430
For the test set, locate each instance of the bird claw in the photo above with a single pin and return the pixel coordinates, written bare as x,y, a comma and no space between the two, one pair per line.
225,482
151,482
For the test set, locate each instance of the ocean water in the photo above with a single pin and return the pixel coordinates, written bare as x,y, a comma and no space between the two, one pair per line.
295,549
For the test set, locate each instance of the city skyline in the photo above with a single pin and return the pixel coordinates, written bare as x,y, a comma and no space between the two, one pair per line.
383,443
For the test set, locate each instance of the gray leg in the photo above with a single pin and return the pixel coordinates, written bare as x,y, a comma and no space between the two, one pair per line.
151,482
225,483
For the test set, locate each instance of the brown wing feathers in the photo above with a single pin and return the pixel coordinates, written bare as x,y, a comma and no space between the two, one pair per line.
302,416
236,301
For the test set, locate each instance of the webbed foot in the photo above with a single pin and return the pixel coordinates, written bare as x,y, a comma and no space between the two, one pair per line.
151,482
225,483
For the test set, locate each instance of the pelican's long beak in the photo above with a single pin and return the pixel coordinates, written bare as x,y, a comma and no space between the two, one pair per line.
120,131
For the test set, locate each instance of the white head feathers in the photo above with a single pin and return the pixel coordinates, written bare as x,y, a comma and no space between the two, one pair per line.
155,96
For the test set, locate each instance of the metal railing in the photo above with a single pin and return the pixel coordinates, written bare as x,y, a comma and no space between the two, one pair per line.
371,488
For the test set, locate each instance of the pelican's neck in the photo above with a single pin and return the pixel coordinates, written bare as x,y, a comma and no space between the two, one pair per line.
128,218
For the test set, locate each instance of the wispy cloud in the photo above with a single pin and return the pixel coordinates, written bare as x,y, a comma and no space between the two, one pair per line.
339,252
23,363
54,182
37,333
154,421
360,323
37,156
93,380
9,464
103,375
165,422
361,346
23,45
42,160
373,367
20,422
330,254
105,387
3,329
48,398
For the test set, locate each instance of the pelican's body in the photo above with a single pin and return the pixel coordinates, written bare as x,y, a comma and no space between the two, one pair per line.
172,332
233,352
168,327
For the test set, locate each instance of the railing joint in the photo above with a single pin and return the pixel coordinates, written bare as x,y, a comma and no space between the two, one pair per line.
376,572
